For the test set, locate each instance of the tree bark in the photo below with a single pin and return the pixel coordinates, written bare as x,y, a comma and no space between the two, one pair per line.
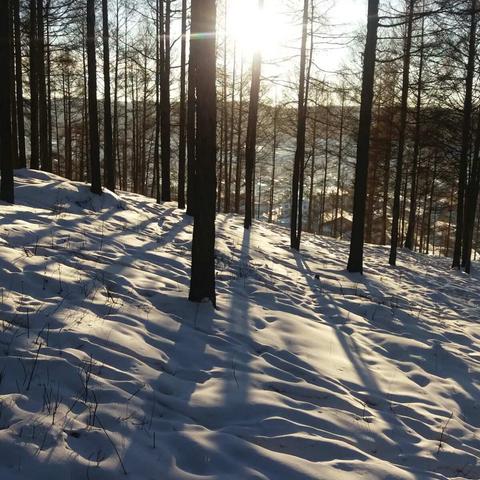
466,136
301,127
96,186
202,285
22,156
6,151
251,142
109,154
183,110
355,261
401,141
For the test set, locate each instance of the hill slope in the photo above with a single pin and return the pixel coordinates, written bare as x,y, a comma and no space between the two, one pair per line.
303,372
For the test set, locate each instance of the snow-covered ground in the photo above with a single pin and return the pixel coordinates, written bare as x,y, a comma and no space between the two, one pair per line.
303,371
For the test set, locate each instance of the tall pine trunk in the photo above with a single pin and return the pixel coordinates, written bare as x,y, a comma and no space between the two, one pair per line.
34,148
202,285
466,137
355,260
191,110
251,142
6,151
165,125
401,142
22,157
109,154
96,186
45,160
301,127
409,239
183,110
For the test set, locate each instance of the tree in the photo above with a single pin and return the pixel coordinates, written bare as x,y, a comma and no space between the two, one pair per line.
109,154
409,239
183,111
471,202
297,177
165,125
96,186
6,153
45,159
191,115
402,135
466,135
251,142
22,157
202,285
355,260
34,148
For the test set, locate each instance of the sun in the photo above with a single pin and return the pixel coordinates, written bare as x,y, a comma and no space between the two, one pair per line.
256,30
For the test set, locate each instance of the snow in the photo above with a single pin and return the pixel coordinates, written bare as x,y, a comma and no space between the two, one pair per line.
303,371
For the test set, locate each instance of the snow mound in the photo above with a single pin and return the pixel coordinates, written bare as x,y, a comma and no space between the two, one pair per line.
303,371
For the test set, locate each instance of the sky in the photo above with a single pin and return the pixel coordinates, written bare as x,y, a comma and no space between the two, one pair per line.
277,33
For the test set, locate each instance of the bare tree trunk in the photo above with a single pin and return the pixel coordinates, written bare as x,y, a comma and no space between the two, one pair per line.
228,192
202,285
116,147
471,203
386,174
466,136
183,110
238,169
301,127
325,169
45,161
430,207
355,261
340,161
274,158
22,156
311,196
165,125
6,58
191,114
251,142
34,146
401,141
96,186
409,239
109,154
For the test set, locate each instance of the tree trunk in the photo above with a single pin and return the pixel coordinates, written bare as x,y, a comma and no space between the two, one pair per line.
301,127
202,285
96,186
251,142
6,152
34,148
409,239
22,157
401,141
45,160
165,125
191,111
471,202
274,158
355,261
466,136
339,165
238,168
183,110
109,158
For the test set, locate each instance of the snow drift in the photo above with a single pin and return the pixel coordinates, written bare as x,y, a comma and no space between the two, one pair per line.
303,371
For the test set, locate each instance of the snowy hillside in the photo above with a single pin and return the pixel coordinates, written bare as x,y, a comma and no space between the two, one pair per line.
303,371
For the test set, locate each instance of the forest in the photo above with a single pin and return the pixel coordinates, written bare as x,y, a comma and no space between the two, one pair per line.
239,239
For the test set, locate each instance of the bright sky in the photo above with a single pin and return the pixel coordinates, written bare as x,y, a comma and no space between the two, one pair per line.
277,32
